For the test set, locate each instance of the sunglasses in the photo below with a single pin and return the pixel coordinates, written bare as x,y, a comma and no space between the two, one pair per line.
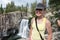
39,9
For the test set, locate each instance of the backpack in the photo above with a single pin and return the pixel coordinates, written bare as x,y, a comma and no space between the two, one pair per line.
29,22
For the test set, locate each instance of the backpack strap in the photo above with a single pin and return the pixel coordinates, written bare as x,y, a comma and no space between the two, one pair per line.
38,29
29,22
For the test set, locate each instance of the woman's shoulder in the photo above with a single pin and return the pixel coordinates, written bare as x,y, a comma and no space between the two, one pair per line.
48,21
32,20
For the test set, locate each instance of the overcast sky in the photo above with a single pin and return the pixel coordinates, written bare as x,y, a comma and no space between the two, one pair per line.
20,2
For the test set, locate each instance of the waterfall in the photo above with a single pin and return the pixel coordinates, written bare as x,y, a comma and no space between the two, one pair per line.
24,29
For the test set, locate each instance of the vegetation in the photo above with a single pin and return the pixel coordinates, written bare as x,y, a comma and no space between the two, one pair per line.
55,7
33,6
10,7
1,9
54,4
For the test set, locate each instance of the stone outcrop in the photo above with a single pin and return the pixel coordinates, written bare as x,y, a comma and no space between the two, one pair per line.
10,20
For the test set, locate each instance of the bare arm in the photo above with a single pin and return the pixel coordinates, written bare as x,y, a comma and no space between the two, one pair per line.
49,30
30,33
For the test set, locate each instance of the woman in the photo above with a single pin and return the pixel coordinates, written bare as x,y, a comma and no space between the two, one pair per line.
42,24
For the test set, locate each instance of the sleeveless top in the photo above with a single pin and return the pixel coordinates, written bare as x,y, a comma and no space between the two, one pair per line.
41,27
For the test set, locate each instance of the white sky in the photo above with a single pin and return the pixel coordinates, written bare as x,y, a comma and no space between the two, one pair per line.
19,2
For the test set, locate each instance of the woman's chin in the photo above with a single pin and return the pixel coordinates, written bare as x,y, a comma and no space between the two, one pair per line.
39,15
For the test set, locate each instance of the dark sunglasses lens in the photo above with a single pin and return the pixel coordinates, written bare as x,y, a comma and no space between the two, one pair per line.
39,9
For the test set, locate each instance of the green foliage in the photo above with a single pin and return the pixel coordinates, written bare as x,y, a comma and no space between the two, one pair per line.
1,9
26,10
18,8
10,7
55,4
23,9
33,6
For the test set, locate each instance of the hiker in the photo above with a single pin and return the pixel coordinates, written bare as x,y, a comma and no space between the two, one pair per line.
39,24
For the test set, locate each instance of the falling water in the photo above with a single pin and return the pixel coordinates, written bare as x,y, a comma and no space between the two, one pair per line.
23,30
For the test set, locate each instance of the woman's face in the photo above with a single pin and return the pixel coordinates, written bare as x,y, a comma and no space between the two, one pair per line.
39,12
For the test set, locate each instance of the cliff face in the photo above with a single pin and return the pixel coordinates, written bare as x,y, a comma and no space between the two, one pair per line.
10,20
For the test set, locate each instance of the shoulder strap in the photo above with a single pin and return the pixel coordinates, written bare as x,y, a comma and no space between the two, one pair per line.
37,28
29,22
